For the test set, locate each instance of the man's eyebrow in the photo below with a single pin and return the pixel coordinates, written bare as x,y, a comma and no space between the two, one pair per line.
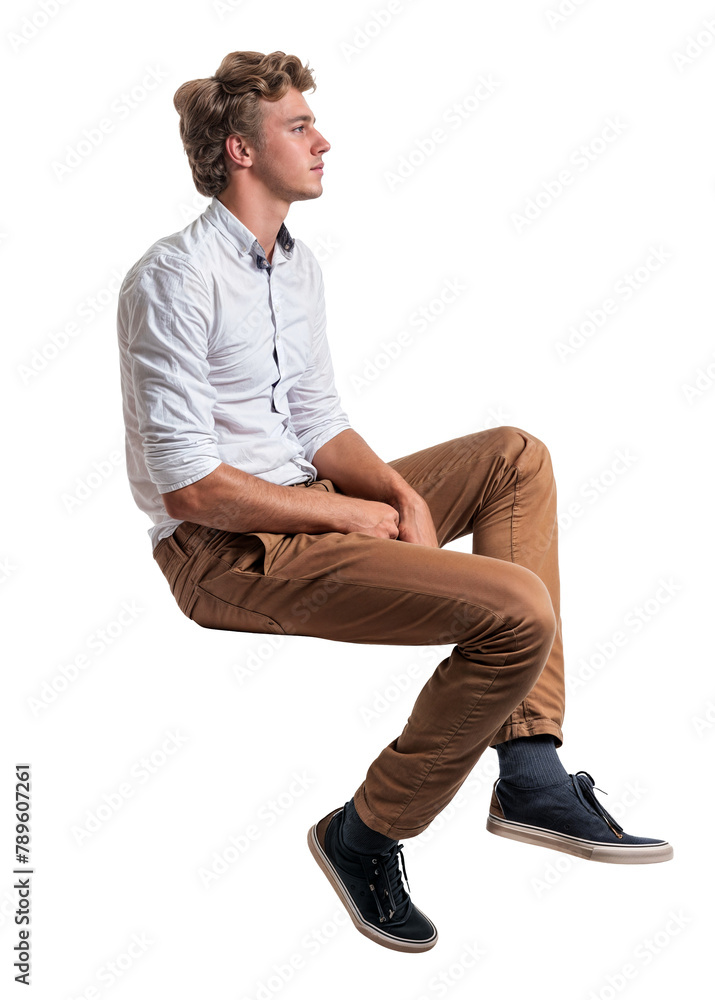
300,118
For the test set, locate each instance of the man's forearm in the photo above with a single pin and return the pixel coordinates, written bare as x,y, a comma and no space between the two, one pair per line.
370,498
350,464
233,500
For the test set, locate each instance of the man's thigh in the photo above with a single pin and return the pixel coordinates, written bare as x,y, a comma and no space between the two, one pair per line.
357,588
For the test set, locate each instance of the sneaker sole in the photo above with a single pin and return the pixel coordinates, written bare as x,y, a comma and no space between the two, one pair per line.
592,850
333,876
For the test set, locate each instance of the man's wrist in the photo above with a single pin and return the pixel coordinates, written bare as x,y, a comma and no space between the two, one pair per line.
400,494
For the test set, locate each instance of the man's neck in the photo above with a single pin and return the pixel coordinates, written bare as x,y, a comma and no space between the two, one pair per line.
264,221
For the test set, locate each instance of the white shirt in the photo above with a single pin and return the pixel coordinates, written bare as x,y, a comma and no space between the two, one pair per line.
224,358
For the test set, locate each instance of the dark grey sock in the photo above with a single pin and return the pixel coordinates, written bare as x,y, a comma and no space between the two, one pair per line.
359,837
530,761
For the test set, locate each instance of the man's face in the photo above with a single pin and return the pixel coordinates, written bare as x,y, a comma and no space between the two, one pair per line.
287,163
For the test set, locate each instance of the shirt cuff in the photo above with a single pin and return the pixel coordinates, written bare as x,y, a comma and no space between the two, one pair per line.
317,442
170,487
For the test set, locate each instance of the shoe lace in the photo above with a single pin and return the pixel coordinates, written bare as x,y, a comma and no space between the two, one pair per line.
384,874
584,785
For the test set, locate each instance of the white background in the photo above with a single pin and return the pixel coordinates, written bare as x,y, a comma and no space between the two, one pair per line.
248,717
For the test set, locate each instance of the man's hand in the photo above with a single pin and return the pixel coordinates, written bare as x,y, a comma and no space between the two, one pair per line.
407,519
354,468
416,524
371,517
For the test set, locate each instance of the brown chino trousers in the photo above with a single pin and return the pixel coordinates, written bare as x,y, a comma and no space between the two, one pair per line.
500,606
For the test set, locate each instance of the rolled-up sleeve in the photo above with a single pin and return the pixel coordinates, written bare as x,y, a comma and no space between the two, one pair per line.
167,318
316,411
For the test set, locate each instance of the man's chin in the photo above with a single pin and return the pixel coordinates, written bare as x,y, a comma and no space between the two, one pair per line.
307,195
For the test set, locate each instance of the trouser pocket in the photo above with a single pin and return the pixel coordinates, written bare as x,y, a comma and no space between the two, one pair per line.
210,611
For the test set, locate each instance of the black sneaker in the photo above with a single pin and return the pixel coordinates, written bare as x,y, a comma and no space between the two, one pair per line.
370,887
568,817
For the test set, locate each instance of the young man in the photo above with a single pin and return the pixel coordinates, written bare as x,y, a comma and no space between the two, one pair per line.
272,514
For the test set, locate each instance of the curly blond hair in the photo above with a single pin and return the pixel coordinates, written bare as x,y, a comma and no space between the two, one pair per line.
227,103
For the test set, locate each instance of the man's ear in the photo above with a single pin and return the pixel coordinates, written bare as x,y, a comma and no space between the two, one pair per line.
237,152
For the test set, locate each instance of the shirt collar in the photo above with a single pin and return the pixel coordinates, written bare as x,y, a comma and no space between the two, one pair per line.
243,239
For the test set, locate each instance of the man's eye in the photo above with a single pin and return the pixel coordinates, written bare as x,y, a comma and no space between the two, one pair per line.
299,127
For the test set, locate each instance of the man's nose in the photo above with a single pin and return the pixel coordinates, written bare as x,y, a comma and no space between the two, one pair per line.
322,143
